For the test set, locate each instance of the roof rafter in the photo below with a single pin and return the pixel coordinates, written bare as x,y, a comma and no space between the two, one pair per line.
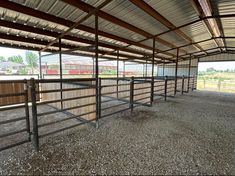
87,8
155,14
203,9
64,46
45,16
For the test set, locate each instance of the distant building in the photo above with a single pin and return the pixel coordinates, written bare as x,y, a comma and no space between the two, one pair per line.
10,66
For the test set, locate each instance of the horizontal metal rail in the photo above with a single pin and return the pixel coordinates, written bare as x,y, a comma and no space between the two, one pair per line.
65,109
116,112
12,120
12,94
13,133
62,120
66,128
66,99
14,145
114,106
64,90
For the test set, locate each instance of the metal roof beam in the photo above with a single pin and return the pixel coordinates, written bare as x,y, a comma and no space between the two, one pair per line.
87,7
45,16
64,46
67,37
155,14
75,25
203,9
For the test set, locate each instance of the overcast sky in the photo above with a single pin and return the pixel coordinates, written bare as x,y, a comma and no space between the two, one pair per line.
7,52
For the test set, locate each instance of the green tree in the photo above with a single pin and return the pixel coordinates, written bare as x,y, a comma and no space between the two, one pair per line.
32,60
17,59
211,69
2,59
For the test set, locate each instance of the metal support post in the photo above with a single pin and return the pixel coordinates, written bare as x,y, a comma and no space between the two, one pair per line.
34,115
189,72
182,89
27,108
132,93
97,71
124,69
61,77
117,71
165,91
176,69
152,80
40,64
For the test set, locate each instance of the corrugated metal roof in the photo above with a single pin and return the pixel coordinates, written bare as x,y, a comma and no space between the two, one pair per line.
176,12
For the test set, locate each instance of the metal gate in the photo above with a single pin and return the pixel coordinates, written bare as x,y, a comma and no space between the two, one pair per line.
14,128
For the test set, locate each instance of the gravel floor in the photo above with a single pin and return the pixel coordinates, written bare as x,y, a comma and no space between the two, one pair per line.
189,134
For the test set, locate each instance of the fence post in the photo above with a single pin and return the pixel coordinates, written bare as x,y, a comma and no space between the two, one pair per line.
193,83
99,103
219,84
152,90
182,89
27,108
132,93
34,115
165,91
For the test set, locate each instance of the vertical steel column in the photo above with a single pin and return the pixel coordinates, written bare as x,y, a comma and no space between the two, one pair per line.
99,101
124,69
152,80
27,108
189,72
93,67
163,69
146,69
34,115
165,91
182,89
143,70
61,77
117,70
132,93
176,69
40,64
97,71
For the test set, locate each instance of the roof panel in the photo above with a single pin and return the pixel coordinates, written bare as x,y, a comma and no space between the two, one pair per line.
177,12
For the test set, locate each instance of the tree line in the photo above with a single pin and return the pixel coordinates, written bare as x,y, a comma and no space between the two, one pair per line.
31,60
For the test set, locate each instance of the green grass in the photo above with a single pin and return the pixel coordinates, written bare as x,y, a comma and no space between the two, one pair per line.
216,81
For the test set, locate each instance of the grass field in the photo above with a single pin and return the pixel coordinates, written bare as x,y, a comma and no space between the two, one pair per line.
217,81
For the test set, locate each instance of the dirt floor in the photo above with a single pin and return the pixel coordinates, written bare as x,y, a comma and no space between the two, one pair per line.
189,134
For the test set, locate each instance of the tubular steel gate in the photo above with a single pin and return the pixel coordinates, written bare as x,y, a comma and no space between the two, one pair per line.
15,129
57,105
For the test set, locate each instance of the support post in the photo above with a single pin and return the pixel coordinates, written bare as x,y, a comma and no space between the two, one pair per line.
146,69
163,69
176,69
189,72
93,67
193,83
152,80
165,91
40,64
143,70
182,89
124,68
97,70
27,108
61,77
132,93
117,71
34,115
99,102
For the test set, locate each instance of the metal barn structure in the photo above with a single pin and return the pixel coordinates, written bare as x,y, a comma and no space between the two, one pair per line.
168,34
